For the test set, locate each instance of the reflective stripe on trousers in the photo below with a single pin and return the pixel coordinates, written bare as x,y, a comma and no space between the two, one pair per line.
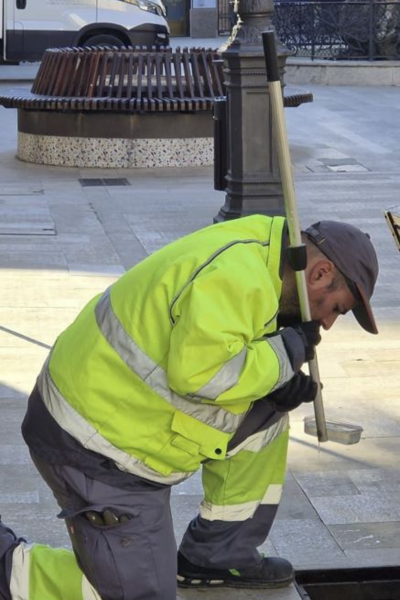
254,470
240,512
62,576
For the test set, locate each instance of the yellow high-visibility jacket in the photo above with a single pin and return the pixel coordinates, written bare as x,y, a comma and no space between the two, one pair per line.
158,372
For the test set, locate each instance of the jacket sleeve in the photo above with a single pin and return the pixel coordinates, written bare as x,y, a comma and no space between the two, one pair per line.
217,352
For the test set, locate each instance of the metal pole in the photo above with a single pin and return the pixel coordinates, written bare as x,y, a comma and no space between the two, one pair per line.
289,195
371,41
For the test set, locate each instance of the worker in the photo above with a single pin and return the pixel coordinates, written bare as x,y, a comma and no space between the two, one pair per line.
193,358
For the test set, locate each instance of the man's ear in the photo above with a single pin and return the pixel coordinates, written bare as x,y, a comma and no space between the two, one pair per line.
321,273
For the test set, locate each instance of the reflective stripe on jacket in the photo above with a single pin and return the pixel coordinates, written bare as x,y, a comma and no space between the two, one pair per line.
159,371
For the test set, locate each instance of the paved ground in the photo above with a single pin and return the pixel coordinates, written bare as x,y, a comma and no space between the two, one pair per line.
60,243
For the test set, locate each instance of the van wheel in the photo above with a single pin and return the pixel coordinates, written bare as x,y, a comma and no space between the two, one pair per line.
103,40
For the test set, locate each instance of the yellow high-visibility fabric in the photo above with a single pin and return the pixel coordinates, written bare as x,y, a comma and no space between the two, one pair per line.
43,573
54,575
168,369
236,487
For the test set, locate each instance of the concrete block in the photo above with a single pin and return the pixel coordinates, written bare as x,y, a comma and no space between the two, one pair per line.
396,76
304,71
359,75
203,22
310,73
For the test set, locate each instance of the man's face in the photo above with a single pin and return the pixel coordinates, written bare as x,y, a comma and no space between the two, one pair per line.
326,301
326,305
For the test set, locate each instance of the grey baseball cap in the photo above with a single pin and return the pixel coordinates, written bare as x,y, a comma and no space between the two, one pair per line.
351,250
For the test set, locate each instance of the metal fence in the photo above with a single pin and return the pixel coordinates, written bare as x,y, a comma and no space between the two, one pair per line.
350,29
340,30
226,17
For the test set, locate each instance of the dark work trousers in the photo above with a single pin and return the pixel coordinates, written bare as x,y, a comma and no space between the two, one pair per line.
223,545
8,542
133,560
136,559
226,544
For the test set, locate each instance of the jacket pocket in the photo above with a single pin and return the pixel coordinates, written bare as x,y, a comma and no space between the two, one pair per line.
183,443
197,438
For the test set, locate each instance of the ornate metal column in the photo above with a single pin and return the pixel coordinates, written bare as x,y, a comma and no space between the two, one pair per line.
253,181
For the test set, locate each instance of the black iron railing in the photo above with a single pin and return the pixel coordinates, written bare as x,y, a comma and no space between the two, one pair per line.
226,16
340,30
348,29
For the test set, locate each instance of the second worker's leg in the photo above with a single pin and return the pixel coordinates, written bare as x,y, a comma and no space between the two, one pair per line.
123,540
32,571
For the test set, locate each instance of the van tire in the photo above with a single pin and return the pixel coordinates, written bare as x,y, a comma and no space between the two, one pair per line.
103,39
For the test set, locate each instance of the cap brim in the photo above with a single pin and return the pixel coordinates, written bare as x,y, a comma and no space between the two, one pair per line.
363,313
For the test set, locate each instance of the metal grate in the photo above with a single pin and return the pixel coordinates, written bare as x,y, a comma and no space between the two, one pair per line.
379,583
108,181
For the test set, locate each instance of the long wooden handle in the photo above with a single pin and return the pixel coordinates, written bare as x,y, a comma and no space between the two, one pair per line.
289,194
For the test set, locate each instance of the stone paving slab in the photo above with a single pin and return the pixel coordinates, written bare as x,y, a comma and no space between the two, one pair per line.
367,535
365,508
304,541
289,593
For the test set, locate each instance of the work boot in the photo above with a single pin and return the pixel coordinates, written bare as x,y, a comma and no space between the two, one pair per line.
271,572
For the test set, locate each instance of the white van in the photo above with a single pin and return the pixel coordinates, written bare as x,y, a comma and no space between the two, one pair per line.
28,27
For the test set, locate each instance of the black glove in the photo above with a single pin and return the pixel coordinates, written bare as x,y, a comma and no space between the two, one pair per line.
301,388
299,341
310,336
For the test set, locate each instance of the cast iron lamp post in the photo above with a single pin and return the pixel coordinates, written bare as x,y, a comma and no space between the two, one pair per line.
253,181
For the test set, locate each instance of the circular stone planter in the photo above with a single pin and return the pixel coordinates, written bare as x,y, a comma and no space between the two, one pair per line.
113,140
118,108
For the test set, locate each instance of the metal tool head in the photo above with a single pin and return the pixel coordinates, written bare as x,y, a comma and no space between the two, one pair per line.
342,433
392,216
